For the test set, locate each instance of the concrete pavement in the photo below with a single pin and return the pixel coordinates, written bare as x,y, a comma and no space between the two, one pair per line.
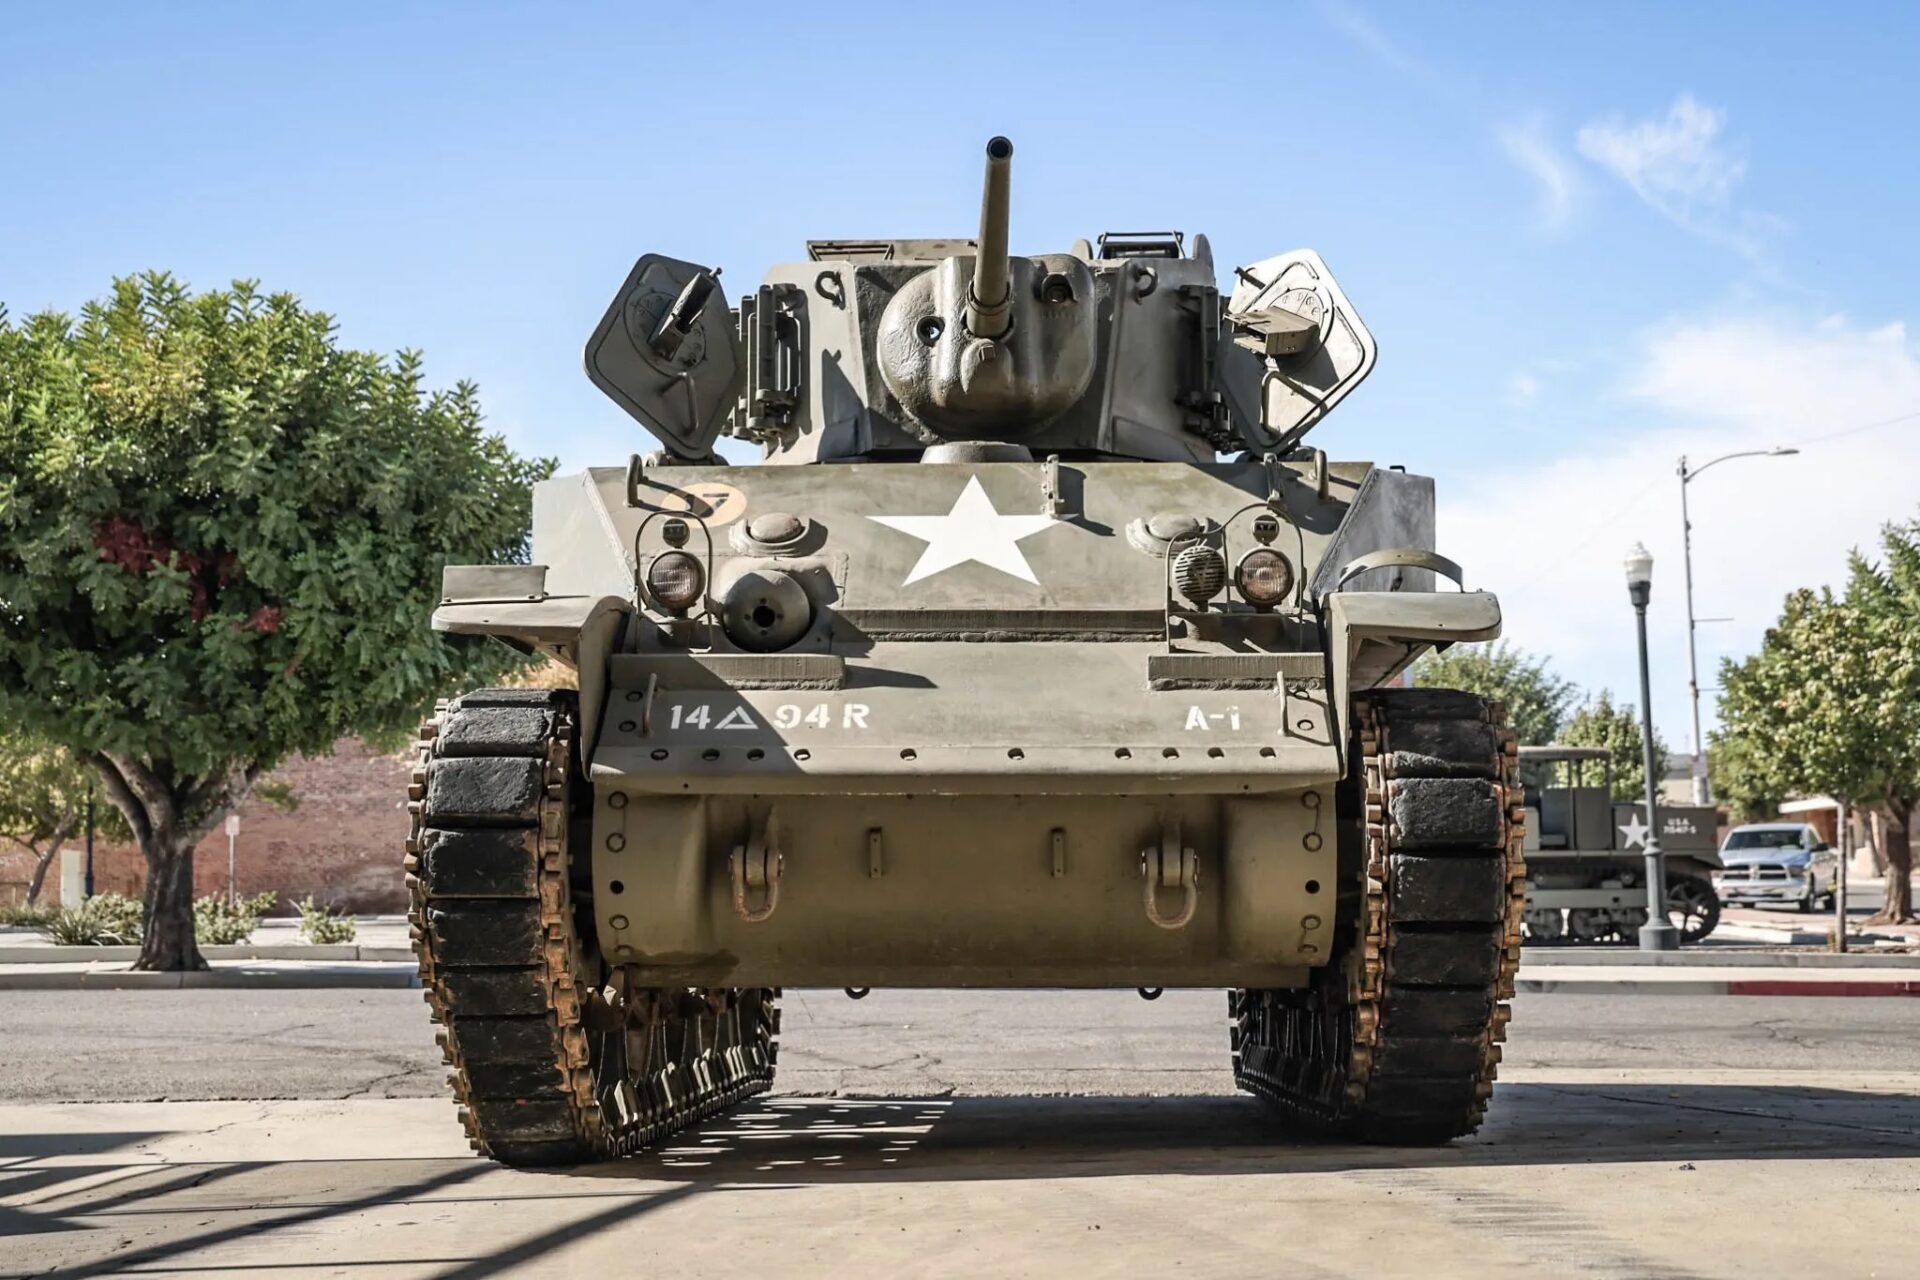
1630,1178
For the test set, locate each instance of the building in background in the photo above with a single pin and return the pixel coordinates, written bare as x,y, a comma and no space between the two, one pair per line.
342,843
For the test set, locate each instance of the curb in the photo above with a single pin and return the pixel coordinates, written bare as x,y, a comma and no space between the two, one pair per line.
1710,957
1831,987
276,978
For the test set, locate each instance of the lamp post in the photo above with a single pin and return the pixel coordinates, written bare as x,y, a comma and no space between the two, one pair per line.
87,890
1702,789
1658,933
233,832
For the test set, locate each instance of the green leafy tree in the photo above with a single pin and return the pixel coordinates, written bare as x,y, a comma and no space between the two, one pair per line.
1536,699
1739,778
43,804
1831,703
1602,722
220,535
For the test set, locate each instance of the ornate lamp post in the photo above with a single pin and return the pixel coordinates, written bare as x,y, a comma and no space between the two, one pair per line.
1702,791
1658,933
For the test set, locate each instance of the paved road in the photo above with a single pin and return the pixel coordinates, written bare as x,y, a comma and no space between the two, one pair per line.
1665,1138
153,1045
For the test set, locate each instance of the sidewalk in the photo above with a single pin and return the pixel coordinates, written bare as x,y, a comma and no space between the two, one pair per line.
1783,926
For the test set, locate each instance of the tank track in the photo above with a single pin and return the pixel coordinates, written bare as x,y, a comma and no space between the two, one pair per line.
553,1058
1398,1039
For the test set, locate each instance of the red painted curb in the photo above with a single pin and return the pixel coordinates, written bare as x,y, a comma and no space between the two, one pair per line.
1838,987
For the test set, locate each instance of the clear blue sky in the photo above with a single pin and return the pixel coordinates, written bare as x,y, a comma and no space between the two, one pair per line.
1586,239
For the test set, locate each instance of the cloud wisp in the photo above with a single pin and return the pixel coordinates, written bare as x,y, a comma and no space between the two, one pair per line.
1557,184
1681,166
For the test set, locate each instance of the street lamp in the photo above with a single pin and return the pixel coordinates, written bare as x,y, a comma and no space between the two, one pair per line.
1702,789
1658,933
233,831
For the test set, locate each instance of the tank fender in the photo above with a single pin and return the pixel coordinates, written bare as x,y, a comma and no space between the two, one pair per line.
510,602
1373,635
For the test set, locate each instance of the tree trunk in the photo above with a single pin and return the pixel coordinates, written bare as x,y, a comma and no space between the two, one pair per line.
1898,906
169,814
166,941
42,859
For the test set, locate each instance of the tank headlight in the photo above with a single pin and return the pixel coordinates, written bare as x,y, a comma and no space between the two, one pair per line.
675,580
1264,577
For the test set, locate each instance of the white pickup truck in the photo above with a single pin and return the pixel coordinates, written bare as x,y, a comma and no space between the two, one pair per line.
1777,862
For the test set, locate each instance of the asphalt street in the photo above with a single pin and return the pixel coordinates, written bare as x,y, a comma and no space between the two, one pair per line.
323,1044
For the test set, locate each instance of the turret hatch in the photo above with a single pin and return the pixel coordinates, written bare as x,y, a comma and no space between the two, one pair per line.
667,352
1291,313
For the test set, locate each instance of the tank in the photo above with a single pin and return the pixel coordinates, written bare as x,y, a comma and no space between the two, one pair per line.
1586,854
1038,650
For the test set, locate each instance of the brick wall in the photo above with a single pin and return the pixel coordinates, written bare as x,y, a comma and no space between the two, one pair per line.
342,844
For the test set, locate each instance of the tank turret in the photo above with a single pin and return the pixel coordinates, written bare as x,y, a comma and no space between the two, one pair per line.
987,346
1120,348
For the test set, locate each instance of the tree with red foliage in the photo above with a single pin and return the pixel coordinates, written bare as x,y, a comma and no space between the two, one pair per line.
220,536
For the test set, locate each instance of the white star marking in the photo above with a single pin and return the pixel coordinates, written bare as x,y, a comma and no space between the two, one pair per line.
972,531
1636,832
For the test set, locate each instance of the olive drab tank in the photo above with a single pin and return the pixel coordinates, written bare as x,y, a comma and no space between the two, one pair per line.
1039,649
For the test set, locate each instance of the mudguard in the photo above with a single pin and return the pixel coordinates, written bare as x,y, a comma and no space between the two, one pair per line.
510,602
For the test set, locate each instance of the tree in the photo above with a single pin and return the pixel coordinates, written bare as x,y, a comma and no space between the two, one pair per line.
1739,779
43,804
1536,698
220,535
1600,722
1831,703
1887,594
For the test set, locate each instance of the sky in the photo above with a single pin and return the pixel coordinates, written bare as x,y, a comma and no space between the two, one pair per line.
1588,240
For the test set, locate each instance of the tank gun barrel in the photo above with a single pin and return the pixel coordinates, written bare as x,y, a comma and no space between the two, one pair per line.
989,310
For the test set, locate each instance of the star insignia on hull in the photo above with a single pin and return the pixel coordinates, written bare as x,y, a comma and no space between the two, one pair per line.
1635,833
973,532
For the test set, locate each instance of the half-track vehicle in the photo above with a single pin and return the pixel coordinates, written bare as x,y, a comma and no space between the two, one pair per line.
1586,854
1037,650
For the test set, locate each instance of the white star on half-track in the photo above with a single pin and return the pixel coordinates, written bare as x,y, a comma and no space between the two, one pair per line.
1636,832
972,531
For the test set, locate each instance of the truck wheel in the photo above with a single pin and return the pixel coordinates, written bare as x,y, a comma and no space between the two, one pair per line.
1398,1038
1693,907
553,1058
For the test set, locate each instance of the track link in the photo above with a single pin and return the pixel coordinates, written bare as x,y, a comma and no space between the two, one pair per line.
553,1057
1398,1039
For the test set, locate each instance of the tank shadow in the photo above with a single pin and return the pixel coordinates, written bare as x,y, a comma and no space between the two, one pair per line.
792,1140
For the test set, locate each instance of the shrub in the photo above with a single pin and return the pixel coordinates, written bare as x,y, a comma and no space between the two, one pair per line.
320,924
28,917
104,920
216,923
